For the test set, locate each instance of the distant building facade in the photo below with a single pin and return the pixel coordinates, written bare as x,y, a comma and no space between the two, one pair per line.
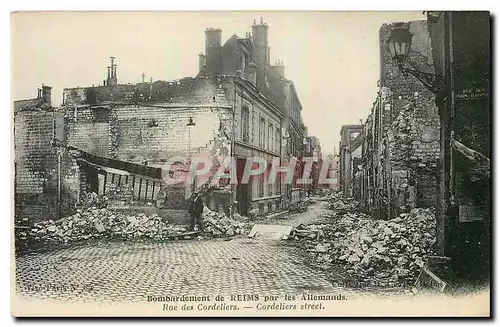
349,156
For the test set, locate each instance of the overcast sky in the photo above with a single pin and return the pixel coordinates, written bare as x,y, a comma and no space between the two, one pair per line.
332,57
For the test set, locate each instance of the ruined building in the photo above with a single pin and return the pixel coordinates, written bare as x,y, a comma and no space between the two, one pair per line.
400,149
349,157
461,43
46,183
115,139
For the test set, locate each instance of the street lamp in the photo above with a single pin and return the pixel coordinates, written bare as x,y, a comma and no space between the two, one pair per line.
189,125
399,44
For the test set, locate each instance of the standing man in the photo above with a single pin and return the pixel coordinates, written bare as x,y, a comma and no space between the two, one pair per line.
195,211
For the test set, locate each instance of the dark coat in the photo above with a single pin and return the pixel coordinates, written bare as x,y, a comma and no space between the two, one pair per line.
196,207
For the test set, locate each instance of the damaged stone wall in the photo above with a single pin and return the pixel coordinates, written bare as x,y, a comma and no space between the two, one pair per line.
90,129
37,168
401,156
152,130
377,171
414,143
349,135
35,158
200,89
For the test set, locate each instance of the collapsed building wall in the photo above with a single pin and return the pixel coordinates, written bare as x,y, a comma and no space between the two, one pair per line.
351,139
414,151
151,133
401,149
47,179
230,117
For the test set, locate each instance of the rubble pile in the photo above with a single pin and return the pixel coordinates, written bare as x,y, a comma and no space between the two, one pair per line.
330,195
94,223
342,206
381,251
298,207
219,223
103,223
91,199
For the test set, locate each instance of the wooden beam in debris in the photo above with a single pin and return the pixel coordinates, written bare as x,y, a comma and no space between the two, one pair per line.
133,187
140,187
469,153
104,184
480,163
133,168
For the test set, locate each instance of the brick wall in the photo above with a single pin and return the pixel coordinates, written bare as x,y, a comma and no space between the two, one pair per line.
37,168
156,133
89,130
35,158
152,132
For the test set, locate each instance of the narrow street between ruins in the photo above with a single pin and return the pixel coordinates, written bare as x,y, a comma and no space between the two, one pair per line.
327,246
204,167
131,271
360,253
330,247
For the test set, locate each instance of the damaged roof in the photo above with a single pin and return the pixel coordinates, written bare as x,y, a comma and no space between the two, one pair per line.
36,103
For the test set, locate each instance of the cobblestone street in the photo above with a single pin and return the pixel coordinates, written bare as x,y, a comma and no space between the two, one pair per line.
132,271
313,214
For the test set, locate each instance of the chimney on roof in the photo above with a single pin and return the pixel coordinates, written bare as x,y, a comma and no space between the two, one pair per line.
261,49
111,81
112,66
47,94
213,51
280,68
252,73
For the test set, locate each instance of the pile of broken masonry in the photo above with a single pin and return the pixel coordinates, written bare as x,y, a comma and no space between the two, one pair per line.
374,252
101,223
